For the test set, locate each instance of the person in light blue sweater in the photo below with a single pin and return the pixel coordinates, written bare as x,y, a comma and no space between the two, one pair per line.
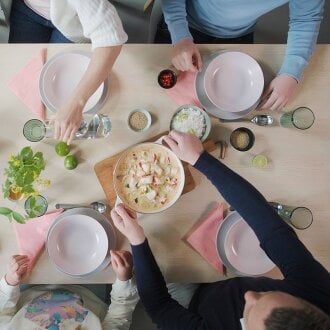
223,21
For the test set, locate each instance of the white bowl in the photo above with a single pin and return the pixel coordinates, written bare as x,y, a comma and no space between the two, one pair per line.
60,76
125,195
233,81
146,113
205,101
77,244
239,248
207,121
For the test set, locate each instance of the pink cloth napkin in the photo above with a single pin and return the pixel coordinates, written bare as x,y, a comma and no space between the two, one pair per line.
25,84
202,237
31,236
184,91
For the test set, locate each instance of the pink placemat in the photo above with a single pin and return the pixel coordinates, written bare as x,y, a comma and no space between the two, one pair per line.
25,84
184,91
202,237
31,236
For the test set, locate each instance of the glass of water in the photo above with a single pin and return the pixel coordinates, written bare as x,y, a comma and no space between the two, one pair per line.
301,118
36,206
92,126
299,217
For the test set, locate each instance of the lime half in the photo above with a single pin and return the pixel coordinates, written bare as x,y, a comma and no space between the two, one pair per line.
259,161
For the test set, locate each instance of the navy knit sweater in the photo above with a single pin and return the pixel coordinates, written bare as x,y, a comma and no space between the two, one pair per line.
220,305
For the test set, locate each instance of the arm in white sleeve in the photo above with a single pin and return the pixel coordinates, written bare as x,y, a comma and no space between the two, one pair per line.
124,297
176,19
9,296
100,22
304,25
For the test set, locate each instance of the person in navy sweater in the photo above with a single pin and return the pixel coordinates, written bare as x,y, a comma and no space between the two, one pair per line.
300,301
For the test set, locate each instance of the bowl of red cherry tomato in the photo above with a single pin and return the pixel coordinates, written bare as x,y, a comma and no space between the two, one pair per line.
167,78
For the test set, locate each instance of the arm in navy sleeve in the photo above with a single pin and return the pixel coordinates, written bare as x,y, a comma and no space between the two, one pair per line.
276,238
166,312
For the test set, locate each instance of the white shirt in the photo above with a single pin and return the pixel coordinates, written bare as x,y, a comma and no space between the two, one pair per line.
67,307
94,21
41,7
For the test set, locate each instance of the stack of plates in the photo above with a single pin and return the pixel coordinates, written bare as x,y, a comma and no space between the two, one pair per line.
230,84
239,248
61,75
79,242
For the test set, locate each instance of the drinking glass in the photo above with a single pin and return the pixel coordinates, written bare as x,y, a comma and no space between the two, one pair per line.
92,126
299,217
301,118
36,206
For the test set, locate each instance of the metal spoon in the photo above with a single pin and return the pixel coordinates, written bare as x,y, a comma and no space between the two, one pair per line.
97,206
261,120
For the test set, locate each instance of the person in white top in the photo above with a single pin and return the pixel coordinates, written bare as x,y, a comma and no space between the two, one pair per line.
66,306
94,21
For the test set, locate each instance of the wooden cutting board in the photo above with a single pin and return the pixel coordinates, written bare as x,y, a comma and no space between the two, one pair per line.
104,171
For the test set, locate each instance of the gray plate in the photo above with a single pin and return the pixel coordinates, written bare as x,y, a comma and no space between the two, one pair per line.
50,106
224,228
205,101
105,224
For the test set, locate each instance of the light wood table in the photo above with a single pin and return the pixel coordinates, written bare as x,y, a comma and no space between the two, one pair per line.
298,174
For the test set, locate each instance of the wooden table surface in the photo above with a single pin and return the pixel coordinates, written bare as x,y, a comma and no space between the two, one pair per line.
298,174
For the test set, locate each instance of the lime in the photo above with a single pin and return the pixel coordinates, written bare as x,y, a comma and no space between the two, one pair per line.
259,161
70,162
62,149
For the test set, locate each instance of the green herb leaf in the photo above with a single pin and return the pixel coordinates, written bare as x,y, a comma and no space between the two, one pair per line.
26,154
18,217
32,202
31,214
5,211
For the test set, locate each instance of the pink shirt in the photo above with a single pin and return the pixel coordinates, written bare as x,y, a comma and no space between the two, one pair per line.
41,7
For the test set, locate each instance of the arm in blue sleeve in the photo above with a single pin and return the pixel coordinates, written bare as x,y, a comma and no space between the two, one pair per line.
304,25
166,312
176,19
276,238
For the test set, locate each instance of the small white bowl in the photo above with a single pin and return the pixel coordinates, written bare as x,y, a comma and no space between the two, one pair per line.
207,120
142,111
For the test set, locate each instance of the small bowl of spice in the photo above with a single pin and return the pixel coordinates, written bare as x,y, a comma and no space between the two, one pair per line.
242,139
139,120
167,78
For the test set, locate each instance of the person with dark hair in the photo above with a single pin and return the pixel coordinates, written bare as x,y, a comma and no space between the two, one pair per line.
227,22
250,303
308,318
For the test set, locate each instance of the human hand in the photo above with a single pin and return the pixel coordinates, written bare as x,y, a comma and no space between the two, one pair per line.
279,92
17,269
67,121
126,222
186,56
186,146
122,264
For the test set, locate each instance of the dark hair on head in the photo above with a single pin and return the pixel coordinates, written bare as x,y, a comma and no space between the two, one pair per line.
307,317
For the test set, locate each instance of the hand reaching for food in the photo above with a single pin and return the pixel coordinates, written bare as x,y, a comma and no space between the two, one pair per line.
186,146
126,222
186,56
